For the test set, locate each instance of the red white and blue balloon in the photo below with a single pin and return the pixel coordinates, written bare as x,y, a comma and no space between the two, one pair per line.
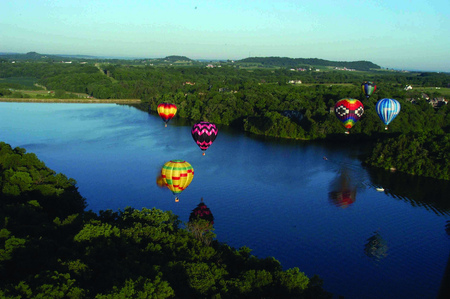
204,134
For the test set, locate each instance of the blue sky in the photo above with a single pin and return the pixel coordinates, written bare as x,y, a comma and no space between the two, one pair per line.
400,34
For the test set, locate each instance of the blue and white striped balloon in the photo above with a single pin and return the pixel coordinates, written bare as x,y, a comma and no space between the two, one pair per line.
387,110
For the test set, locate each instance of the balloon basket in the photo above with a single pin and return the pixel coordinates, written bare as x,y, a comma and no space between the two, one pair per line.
386,128
177,199
165,125
203,153
347,132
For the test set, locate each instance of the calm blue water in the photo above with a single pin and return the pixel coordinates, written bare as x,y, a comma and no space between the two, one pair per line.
281,199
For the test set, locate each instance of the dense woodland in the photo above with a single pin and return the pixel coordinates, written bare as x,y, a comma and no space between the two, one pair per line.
51,247
307,62
418,154
261,100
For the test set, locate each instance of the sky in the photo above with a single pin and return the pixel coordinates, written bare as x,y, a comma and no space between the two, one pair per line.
399,34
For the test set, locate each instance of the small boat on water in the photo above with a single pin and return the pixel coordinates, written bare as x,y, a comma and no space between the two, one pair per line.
380,189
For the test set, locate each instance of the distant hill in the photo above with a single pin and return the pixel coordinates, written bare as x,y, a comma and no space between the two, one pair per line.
301,62
263,61
36,56
27,56
174,58
33,56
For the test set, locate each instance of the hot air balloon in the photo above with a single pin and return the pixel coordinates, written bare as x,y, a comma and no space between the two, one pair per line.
204,133
167,111
177,175
368,88
349,111
387,110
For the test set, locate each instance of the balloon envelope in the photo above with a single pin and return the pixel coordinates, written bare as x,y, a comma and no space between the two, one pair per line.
368,88
166,111
204,134
177,175
349,111
387,110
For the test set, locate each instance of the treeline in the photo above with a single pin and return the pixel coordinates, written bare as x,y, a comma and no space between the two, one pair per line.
253,100
302,62
50,247
418,154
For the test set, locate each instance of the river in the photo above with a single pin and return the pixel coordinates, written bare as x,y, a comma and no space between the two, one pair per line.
279,198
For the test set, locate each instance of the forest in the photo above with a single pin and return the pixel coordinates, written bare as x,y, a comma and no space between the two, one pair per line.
51,247
264,101
306,62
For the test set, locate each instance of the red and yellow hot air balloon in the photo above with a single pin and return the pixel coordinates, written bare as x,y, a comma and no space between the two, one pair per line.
177,175
349,111
166,111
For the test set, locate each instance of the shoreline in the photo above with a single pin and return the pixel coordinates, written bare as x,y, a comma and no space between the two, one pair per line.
84,101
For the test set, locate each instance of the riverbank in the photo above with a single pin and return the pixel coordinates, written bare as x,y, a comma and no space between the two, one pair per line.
84,101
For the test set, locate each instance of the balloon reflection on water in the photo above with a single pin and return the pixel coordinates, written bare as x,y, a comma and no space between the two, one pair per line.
343,191
376,247
344,187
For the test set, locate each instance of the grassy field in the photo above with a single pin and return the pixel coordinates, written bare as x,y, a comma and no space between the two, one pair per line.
326,84
445,92
48,96
40,93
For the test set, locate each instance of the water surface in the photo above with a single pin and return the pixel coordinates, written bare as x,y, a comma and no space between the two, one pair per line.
279,198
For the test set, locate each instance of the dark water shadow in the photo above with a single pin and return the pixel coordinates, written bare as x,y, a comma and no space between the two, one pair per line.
431,194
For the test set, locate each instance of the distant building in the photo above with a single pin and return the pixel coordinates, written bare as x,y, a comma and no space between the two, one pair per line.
437,102
408,87
295,81
344,69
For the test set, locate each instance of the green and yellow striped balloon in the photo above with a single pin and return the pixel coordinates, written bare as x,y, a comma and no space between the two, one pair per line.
177,175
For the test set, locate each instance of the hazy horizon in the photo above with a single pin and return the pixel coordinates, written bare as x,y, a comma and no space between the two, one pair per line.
199,59
409,35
